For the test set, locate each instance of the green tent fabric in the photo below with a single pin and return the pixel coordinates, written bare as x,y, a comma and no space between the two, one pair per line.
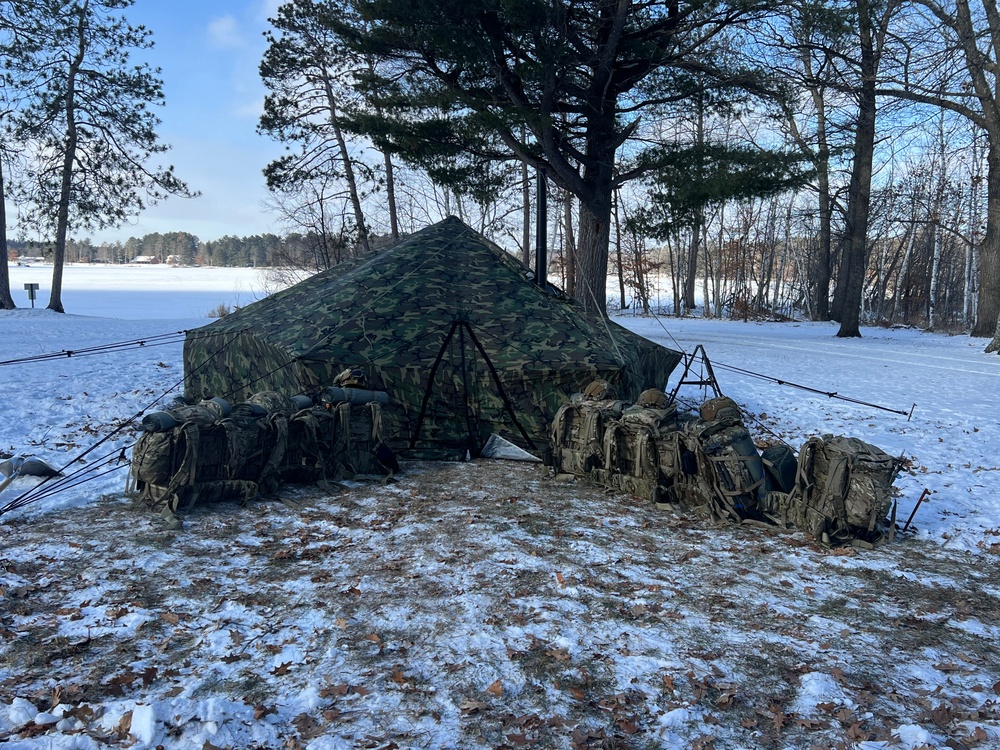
451,326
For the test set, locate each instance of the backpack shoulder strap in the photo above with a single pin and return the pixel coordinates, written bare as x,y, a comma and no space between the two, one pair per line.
187,473
268,474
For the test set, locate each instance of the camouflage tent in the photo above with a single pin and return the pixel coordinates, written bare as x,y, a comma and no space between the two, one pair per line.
450,325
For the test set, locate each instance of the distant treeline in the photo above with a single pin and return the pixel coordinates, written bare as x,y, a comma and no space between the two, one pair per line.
181,248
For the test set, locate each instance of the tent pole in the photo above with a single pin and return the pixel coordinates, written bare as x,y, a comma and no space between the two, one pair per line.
475,442
430,383
503,394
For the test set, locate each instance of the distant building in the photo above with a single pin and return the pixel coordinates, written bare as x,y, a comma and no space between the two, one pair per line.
146,259
24,260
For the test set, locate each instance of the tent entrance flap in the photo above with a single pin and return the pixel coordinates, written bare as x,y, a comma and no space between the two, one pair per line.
461,383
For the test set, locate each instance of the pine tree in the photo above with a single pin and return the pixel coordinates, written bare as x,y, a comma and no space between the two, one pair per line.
459,78
90,128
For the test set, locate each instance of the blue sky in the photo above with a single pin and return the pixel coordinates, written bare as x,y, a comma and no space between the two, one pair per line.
209,52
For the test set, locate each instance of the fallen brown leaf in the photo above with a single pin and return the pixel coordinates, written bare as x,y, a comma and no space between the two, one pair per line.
470,707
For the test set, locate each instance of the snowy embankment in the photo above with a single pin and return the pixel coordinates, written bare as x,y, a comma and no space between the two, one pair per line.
483,604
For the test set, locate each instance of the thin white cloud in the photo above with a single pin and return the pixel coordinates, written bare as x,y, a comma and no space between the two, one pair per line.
269,8
225,32
250,111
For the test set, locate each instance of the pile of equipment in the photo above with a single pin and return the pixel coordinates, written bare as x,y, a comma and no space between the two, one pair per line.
839,489
211,451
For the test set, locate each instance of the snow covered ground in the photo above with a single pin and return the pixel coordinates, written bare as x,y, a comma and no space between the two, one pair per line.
484,604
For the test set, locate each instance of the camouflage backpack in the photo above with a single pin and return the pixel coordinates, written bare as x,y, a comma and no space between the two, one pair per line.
640,448
360,445
721,474
577,432
312,444
842,492
192,463
279,409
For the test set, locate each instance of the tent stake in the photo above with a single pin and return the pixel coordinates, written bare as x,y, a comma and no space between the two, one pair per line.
923,494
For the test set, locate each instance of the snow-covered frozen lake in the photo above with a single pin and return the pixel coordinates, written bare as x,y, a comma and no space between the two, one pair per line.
140,292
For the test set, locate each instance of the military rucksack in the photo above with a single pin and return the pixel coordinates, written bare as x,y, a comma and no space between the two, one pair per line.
190,464
359,442
842,492
192,454
640,449
577,432
721,475
311,446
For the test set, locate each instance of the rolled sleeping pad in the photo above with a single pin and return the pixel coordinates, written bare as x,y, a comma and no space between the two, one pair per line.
251,411
159,421
219,406
743,444
302,402
335,395
205,413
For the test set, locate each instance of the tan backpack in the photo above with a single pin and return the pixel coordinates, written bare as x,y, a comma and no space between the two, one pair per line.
842,493
640,449
576,436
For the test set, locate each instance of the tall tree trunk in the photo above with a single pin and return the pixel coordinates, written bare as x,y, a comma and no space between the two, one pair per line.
692,259
706,310
69,157
525,215
937,213
570,240
822,262
968,308
988,319
352,188
854,254
904,267
594,234
526,209
6,301
618,254
592,256
818,270
699,218
345,158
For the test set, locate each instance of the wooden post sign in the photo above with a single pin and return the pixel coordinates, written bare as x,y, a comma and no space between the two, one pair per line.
31,289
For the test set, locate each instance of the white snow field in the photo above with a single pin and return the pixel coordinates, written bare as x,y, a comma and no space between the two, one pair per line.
484,604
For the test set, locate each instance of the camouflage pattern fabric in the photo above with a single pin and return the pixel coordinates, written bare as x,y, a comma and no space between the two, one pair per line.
361,430
577,435
190,464
640,449
640,462
447,324
721,409
732,467
842,493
